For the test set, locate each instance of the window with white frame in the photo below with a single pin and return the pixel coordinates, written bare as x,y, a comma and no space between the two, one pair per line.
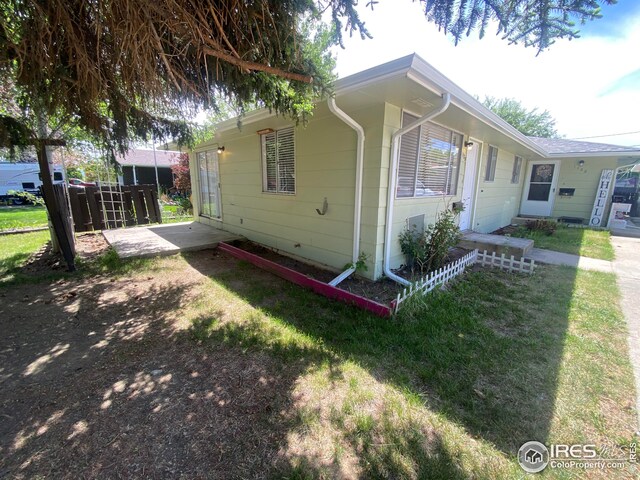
492,160
517,166
279,161
429,160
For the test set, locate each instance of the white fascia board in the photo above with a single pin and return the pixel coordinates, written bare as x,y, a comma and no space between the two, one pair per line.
372,75
250,117
632,153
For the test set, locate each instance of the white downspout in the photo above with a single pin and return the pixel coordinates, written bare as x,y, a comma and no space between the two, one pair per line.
357,209
391,190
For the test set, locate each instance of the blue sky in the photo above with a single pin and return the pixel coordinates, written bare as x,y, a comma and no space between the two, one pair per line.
591,85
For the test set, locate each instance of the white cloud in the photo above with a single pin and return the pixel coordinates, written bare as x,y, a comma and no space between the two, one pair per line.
568,79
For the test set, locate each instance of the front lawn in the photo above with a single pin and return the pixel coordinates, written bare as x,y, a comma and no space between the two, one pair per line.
451,388
22,217
203,366
578,241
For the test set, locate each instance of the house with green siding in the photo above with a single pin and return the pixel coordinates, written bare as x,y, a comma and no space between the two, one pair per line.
397,144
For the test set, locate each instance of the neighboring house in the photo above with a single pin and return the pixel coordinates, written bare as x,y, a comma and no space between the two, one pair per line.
270,181
139,167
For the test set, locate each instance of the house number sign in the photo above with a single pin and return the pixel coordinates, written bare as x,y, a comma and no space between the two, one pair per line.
606,179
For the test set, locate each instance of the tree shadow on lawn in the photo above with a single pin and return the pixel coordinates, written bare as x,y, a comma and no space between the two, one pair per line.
485,353
97,381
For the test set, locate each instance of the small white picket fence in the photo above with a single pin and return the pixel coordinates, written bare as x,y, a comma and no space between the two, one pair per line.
506,263
452,270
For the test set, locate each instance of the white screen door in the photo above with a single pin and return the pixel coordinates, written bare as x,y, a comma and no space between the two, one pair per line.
540,188
468,185
209,181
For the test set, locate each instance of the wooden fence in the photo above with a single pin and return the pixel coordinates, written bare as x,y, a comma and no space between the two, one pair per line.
105,207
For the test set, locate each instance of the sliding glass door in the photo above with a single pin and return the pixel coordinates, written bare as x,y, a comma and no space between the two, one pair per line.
209,179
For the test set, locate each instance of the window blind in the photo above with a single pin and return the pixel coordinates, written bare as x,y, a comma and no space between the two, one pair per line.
278,155
429,160
409,144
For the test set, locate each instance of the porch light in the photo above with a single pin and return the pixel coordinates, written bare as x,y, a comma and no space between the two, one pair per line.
469,145
220,150
581,163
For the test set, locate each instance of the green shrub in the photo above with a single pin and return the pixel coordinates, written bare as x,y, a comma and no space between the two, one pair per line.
27,197
186,208
428,250
548,227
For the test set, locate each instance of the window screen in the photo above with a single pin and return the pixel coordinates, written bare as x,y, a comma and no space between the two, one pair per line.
278,161
492,160
429,160
517,166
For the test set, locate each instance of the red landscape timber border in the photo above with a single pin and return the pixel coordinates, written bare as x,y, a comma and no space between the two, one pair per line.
304,281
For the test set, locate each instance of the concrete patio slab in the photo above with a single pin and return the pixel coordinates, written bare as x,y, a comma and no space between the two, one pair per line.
518,247
165,239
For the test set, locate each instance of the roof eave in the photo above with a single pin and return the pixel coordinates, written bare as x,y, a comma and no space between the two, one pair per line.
635,153
423,73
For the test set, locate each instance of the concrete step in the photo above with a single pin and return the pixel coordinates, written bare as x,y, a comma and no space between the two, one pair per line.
518,247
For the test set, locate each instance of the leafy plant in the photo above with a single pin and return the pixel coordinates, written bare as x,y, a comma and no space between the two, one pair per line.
27,197
548,227
428,250
361,264
185,205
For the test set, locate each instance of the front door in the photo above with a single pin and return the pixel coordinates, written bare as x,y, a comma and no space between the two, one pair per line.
209,183
468,185
540,188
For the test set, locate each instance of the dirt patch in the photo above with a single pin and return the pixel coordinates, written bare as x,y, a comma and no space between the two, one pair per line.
454,254
88,247
508,230
382,291
101,378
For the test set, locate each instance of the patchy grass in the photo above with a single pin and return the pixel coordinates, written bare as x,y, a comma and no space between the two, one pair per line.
578,241
264,378
170,214
452,387
22,217
16,249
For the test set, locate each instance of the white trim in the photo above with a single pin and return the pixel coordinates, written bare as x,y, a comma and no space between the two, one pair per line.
476,152
477,180
612,153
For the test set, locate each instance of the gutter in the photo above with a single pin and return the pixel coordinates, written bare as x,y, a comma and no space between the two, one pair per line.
393,174
357,209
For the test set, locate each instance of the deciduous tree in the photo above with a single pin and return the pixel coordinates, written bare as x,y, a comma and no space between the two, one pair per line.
531,122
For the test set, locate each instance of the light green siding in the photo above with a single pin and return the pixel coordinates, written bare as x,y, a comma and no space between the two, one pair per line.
498,201
585,180
325,167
